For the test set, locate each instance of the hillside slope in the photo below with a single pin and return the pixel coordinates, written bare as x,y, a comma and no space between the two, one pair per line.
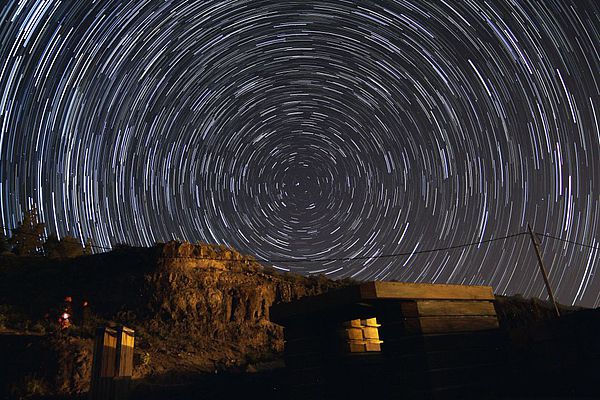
191,313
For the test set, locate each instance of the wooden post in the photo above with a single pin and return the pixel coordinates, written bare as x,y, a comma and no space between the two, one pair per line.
124,370
103,365
536,246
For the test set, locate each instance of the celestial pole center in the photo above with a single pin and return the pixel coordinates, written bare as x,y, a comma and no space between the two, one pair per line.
313,130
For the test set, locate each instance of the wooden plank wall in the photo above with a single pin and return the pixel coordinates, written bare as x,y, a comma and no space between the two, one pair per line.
126,340
442,348
112,365
436,316
103,364
429,348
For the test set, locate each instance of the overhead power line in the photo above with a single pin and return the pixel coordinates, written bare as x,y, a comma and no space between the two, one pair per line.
569,241
403,254
458,246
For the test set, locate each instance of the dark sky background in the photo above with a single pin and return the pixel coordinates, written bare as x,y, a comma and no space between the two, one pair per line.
314,129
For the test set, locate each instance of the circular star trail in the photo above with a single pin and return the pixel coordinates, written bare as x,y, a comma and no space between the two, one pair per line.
313,129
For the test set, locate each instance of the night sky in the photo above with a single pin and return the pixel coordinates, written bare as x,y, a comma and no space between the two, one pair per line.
314,129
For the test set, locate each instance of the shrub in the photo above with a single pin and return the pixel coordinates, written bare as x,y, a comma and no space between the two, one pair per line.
29,386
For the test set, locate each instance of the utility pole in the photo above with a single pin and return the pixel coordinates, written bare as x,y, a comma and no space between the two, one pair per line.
536,246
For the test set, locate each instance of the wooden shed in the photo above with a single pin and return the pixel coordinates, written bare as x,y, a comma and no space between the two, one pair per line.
112,366
392,339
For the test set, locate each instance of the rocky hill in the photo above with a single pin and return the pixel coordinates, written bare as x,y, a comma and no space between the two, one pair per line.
195,309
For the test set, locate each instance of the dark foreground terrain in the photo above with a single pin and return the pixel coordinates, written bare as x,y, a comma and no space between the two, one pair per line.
203,330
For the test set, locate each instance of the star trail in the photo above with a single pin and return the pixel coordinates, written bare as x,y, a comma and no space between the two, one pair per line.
314,130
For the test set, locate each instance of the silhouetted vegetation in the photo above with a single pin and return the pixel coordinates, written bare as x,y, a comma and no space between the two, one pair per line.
27,239
67,247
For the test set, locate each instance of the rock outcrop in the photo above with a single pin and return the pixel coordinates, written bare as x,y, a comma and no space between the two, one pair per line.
216,294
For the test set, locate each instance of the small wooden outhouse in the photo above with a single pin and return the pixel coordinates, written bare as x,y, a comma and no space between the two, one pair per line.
112,366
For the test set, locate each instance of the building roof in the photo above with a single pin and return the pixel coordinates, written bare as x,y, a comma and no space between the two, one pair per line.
358,301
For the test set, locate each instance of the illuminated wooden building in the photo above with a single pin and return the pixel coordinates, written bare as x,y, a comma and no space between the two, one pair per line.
391,339
112,366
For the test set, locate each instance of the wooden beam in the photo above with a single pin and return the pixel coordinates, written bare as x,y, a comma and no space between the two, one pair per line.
355,301
403,290
433,308
425,325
